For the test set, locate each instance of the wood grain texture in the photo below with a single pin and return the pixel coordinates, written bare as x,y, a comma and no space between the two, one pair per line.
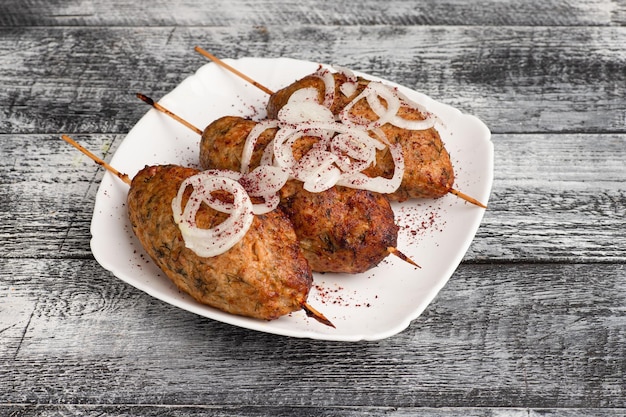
323,13
539,336
284,411
532,323
518,80
555,198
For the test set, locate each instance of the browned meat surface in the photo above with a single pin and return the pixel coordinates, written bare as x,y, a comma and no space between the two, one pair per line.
222,143
428,172
263,276
340,230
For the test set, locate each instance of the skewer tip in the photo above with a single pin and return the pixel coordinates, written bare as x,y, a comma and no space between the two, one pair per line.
145,99
199,50
467,198
396,252
313,313
162,109
125,178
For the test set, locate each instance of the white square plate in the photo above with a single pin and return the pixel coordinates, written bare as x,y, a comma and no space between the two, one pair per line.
369,306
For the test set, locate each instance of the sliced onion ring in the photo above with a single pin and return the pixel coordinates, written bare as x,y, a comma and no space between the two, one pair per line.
329,86
357,155
251,139
303,106
265,182
371,93
388,113
379,184
349,87
428,122
218,239
317,171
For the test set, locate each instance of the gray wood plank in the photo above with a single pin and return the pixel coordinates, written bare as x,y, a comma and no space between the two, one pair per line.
284,411
532,323
47,193
498,335
325,13
555,198
567,79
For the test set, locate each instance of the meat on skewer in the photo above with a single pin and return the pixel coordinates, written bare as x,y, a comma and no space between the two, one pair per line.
428,169
340,229
417,184
264,275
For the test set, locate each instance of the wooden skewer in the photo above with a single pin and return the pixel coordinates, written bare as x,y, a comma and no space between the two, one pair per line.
310,311
270,92
97,160
467,198
396,252
157,106
233,70
146,99
173,115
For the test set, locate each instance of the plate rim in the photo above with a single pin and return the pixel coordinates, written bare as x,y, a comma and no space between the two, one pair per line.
186,303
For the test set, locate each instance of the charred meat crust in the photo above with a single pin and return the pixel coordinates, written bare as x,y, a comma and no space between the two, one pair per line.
223,140
263,276
428,169
340,230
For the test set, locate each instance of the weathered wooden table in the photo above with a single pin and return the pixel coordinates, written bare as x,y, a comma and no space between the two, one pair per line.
533,322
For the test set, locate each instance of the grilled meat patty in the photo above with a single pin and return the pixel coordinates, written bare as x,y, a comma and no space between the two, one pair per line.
263,276
428,169
223,140
340,230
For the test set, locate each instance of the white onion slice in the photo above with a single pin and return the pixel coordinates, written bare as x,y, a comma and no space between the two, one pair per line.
427,123
371,93
269,204
265,182
329,86
413,124
347,119
317,171
283,153
219,239
379,184
358,155
309,94
268,154
331,128
388,113
323,180
385,114
349,87
349,74
302,106
251,139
